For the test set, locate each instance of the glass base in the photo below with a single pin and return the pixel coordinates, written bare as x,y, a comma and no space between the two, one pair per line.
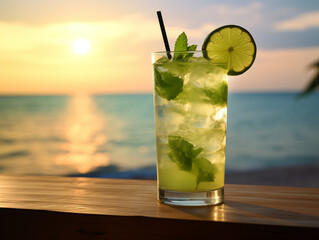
206,198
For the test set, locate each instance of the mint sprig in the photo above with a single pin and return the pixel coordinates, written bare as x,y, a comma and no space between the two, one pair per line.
167,85
187,158
181,45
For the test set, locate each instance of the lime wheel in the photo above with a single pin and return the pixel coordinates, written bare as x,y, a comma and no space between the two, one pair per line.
233,45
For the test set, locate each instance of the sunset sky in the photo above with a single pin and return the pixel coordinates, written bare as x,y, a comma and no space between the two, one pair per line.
37,56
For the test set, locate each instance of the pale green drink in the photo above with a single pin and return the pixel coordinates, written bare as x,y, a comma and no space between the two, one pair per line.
190,98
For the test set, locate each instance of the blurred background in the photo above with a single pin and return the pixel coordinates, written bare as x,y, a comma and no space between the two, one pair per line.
76,87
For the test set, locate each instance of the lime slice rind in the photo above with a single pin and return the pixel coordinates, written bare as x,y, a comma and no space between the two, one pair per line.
233,45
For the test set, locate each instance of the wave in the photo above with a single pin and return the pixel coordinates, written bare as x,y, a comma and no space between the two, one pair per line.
113,171
7,141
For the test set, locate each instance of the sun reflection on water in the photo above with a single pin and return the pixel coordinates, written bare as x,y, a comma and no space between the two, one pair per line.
83,135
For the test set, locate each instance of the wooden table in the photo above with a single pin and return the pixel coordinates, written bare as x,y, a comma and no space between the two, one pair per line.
34,207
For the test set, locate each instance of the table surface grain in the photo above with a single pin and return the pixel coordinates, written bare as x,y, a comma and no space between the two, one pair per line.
267,205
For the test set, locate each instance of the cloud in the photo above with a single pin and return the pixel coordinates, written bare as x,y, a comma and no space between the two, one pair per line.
246,15
299,23
239,11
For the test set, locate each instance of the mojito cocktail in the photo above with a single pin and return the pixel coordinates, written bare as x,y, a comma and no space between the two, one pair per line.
190,99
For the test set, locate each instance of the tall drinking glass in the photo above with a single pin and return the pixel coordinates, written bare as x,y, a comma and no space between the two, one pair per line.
190,101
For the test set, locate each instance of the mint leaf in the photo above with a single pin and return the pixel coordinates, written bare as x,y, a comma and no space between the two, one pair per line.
182,152
204,170
167,85
218,96
190,48
186,157
181,43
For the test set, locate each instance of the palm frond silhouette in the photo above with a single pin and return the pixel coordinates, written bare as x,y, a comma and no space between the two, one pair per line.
314,83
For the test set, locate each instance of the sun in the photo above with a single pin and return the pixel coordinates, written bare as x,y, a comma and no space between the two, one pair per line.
81,46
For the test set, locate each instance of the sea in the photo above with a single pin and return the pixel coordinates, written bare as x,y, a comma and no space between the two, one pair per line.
112,136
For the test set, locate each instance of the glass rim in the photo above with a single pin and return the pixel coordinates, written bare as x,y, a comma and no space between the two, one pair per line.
165,52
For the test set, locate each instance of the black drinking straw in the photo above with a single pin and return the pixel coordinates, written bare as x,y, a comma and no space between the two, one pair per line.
161,22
